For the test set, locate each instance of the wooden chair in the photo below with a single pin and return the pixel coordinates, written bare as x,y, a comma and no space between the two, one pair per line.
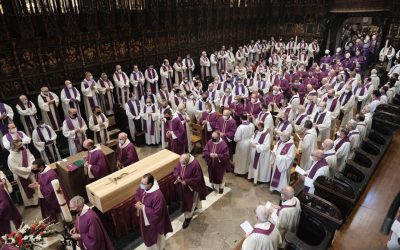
195,138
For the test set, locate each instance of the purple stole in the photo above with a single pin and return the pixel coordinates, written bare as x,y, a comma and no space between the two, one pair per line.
310,107
263,116
106,101
138,123
212,96
352,133
27,119
362,91
277,175
4,122
286,206
348,96
263,231
200,105
300,119
229,100
221,62
333,104
9,136
326,155
97,134
151,122
140,89
188,63
291,99
77,141
68,95
321,163
341,142
52,157
164,96
180,75
121,90
261,85
25,182
318,119
91,98
257,155
169,79
237,89
55,121
284,126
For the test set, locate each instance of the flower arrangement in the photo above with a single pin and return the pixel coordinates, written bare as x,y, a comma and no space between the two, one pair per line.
29,237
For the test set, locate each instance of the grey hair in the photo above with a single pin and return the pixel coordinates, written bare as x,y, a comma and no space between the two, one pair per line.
78,201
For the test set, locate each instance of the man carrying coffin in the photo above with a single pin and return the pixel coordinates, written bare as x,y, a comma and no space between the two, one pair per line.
283,154
70,98
175,133
13,136
96,164
265,235
9,213
260,152
106,88
121,81
20,163
216,153
88,230
27,112
191,185
153,213
44,140
319,167
48,103
47,198
126,153
98,123
74,128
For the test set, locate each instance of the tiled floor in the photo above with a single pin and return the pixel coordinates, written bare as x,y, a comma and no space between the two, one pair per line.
218,226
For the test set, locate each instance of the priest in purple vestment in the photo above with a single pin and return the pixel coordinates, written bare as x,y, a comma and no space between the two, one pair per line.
175,133
96,162
126,153
217,157
88,231
191,185
153,213
8,212
47,198
227,127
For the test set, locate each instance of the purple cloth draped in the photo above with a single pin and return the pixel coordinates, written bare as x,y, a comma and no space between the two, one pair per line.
50,153
77,140
264,231
127,155
277,175
156,212
48,204
319,119
333,104
237,110
10,138
107,102
310,107
217,166
8,212
257,154
93,234
194,178
100,167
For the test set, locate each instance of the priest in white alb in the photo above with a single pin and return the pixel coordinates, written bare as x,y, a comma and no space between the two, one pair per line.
90,94
121,81
167,74
319,167
70,98
48,103
13,136
74,129
27,113
98,123
150,118
260,152
20,163
44,140
133,110
243,135
204,66
106,89
189,64
137,80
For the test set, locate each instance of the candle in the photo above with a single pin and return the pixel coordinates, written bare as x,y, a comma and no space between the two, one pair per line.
61,200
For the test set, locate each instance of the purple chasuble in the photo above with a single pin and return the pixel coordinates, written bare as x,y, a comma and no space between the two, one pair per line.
50,153
8,213
217,166
127,155
100,167
48,204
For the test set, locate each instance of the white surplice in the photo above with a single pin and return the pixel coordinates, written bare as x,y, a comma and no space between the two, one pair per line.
241,158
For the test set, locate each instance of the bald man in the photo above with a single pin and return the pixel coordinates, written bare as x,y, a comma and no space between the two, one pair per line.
319,167
48,103
70,98
27,113
126,153
288,212
265,235
330,156
96,164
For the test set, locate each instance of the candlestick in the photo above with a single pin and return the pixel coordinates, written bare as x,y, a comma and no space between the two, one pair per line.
61,200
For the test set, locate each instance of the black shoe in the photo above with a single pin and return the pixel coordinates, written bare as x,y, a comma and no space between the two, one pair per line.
221,190
186,223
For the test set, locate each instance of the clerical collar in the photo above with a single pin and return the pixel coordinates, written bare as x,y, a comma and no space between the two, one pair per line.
126,143
332,150
153,188
95,148
84,210
289,202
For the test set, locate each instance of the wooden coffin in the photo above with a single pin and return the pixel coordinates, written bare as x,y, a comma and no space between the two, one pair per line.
121,185
75,181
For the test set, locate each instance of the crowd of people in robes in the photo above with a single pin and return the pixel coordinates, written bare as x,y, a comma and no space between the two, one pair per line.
262,108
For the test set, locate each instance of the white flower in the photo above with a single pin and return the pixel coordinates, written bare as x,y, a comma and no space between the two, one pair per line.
38,238
26,237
